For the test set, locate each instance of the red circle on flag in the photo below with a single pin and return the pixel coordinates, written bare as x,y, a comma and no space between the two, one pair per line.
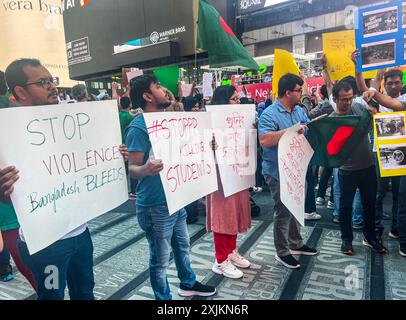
226,27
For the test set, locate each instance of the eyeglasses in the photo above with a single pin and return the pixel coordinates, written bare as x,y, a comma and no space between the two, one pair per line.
45,83
235,99
297,90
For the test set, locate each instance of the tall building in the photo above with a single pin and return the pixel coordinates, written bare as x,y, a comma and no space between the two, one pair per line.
34,29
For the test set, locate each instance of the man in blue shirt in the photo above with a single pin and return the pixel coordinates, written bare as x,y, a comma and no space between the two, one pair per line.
283,114
163,231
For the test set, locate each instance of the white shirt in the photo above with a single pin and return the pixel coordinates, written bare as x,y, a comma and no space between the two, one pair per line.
79,230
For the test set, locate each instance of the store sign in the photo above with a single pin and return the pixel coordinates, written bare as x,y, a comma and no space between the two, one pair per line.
166,35
246,6
260,91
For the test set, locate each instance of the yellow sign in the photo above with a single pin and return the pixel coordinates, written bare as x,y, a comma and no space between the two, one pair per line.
390,137
283,63
338,46
34,29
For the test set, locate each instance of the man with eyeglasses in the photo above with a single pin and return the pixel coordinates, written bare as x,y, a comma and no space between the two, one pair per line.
284,113
357,172
393,82
33,85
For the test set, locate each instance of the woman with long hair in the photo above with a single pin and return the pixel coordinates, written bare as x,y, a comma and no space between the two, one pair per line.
227,217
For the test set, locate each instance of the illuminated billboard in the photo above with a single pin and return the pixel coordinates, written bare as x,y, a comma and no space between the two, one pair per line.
247,6
104,35
34,29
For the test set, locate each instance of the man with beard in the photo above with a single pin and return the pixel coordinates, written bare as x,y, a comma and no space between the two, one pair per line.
33,85
163,231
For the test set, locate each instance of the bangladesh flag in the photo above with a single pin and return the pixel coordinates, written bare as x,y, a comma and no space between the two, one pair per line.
333,139
215,36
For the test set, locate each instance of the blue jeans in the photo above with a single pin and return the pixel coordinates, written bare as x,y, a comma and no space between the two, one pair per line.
163,232
382,186
402,211
69,261
357,215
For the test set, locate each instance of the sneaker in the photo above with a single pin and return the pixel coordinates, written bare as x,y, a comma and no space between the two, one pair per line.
320,201
358,226
336,220
132,196
6,273
312,216
238,260
227,269
346,248
288,261
304,250
402,250
393,234
330,205
198,289
375,245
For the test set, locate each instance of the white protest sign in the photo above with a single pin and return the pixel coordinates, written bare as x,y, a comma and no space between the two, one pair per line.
182,140
236,138
134,73
208,85
71,170
294,154
187,89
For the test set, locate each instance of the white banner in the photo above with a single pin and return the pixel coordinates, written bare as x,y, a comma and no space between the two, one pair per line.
207,85
294,154
182,140
71,170
237,145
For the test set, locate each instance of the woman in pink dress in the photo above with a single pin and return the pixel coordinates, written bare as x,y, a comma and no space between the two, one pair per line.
227,217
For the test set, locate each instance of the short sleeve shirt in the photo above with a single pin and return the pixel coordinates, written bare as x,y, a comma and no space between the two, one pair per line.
150,191
276,118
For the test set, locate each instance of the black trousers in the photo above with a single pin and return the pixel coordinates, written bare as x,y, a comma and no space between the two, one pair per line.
366,181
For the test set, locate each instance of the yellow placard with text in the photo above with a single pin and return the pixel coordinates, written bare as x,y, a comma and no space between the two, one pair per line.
390,138
338,46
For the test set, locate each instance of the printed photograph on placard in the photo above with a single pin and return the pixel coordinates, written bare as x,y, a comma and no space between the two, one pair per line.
403,15
390,126
393,156
378,53
381,21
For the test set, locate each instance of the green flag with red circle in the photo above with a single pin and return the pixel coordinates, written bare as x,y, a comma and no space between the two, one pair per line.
222,45
335,138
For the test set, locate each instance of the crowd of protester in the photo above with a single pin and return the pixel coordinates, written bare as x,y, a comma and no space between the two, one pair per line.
356,188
